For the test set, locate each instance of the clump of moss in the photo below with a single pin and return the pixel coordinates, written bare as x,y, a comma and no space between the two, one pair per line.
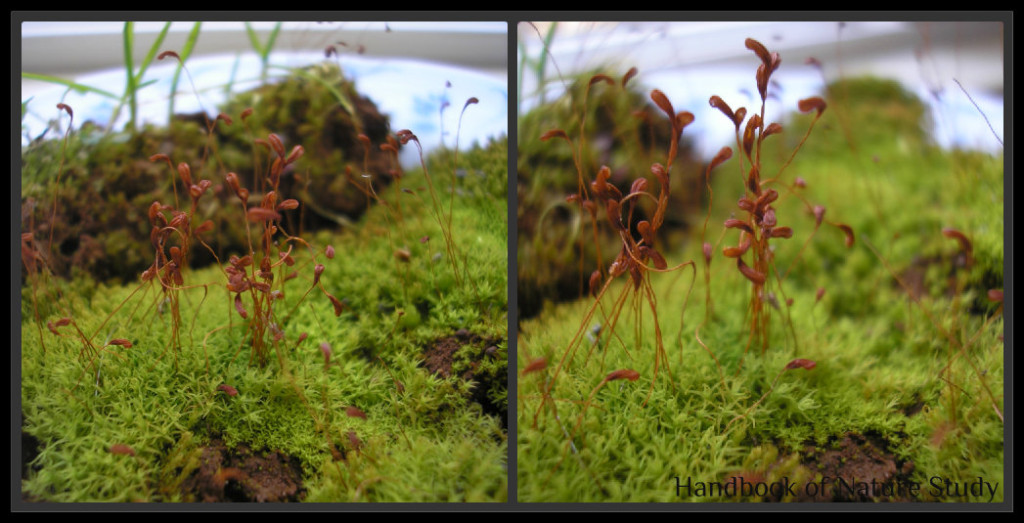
106,181
320,109
621,130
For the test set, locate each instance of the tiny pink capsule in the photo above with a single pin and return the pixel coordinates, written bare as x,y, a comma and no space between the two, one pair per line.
227,389
122,449
801,363
325,348
329,251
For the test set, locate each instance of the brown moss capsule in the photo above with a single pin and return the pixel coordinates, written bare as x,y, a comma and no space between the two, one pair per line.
749,134
723,154
773,128
535,365
759,49
801,363
296,153
623,374
819,214
629,75
812,104
745,204
600,78
961,238
739,250
733,223
750,274
240,308
66,108
614,215
227,389
276,144
662,102
154,211
186,173
600,183
683,119
339,307
353,412
260,214
639,185
554,133
353,440
658,259
720,104
325,349
848,231
595,282
161,158
644,228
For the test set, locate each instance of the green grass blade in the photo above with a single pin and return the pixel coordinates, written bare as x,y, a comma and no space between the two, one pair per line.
152,53
233,76
186,51
24,107
130,87
80,88
254,39
270,42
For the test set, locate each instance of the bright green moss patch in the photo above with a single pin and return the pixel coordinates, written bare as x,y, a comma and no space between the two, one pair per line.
344,399
906,385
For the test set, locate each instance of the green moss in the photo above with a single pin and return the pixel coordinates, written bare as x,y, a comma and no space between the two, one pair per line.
424,438
881,357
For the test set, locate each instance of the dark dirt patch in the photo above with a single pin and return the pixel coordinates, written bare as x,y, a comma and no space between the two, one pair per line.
242,475
30,446
855,467
914,407
440,358
857,460
29,450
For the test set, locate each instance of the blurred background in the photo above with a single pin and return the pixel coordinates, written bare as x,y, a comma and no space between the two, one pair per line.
690,61
409,69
